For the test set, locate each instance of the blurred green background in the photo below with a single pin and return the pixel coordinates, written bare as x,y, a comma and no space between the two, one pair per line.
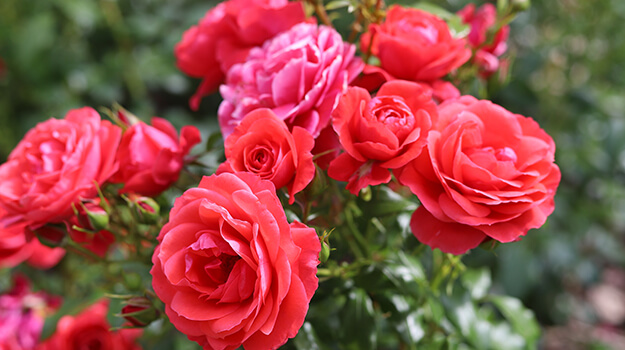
568,74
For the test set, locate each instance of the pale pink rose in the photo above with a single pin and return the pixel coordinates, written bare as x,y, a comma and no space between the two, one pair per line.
225,36
299,74
151,157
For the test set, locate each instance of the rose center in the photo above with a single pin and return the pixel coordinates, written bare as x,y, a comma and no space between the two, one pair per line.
259,159
393,112
486,155
427,32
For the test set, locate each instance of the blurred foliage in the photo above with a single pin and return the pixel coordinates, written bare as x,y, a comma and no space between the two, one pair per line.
568,74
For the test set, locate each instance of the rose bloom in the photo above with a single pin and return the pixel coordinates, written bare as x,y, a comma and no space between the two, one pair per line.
299,74
225,36
414,45
229,267
90,330
263,145
54,165
151,157
487,173
22,314
481,21
380,133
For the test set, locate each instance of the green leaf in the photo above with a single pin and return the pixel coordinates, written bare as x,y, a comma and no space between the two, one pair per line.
521,319
307,339
358,321
477,282
333,5
456,27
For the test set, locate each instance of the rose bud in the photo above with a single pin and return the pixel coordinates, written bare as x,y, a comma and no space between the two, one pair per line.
139,311
52,235
91,216
145,208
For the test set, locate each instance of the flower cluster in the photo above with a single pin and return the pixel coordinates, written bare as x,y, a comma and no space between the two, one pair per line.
235,261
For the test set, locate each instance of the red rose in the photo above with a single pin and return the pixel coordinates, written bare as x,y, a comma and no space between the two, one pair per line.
229,267
90,330
481,21
151,157
380,133
415,45
18,245
487,173
263,145
225,36
56,164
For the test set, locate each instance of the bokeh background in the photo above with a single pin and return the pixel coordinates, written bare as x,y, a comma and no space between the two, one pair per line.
568,74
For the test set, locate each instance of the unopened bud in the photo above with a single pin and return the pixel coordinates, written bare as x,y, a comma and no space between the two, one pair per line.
146,209
92,217
139,311
520,5
52,235
325,252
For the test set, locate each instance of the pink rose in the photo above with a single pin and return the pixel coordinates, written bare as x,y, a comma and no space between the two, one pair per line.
22,314
229,267
487,173
90,330
481,21
151,157
414,45
380,133
263,145
225,36
299,74
56,164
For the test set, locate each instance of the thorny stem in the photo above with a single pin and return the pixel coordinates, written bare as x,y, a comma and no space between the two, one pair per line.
321,12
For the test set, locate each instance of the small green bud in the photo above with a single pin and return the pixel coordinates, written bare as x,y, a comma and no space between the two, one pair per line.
325,252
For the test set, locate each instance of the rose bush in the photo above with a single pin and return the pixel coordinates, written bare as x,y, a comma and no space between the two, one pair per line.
414,45
151,157
56,164
263,145
380,133
90,330
487,173
299,74
225,36
229,267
